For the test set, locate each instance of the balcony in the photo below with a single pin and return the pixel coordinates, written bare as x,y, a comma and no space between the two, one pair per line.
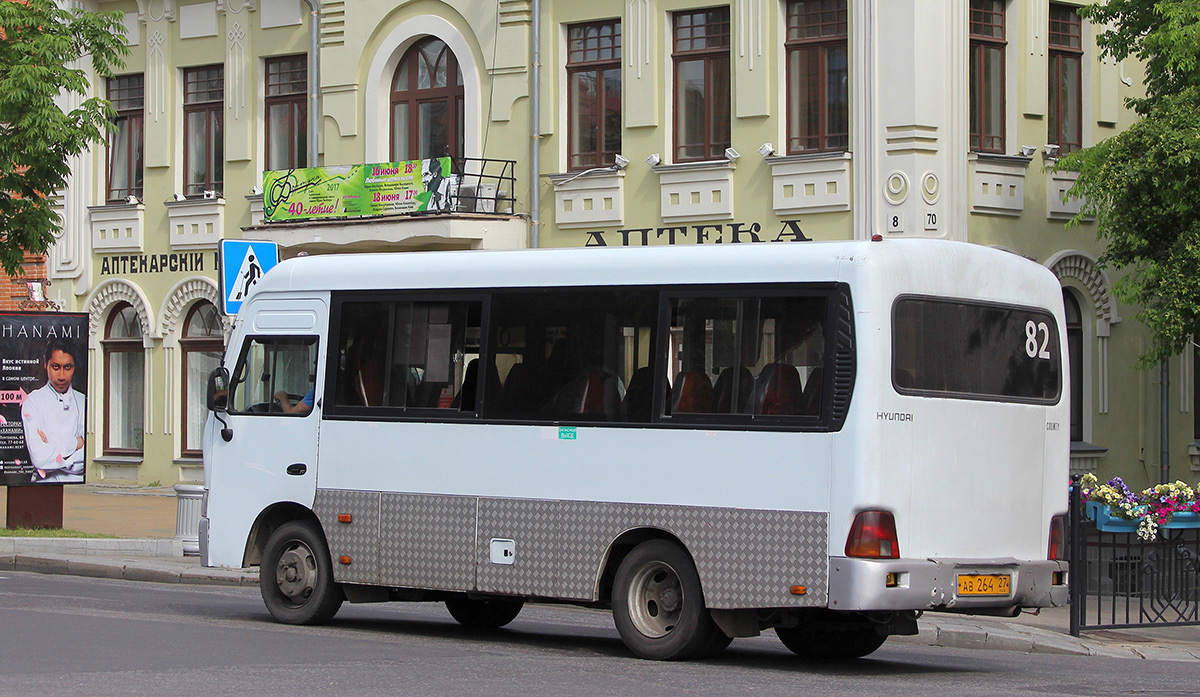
196,223
476,211
118,227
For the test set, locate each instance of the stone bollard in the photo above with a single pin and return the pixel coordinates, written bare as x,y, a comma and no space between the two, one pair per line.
188,498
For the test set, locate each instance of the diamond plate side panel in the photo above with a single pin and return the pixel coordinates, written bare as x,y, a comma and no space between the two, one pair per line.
428,541
535,526
358,539
745,558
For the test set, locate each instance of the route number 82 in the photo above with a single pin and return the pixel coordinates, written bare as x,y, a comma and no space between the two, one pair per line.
1033,348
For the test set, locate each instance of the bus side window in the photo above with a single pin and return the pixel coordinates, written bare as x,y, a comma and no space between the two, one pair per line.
569,356
748,356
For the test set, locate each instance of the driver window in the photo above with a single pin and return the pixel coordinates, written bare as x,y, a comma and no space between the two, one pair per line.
270,365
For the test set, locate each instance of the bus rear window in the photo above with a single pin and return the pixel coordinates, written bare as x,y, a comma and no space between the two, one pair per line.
971,350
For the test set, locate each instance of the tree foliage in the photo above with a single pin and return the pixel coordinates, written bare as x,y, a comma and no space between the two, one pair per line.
1143,184
44,55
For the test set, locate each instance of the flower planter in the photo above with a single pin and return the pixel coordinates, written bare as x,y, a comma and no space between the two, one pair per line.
1106,522
1183,519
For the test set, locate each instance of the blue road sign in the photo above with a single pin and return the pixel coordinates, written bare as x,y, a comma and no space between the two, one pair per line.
243,263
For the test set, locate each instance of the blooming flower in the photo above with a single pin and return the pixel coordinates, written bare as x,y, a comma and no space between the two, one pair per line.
1152,507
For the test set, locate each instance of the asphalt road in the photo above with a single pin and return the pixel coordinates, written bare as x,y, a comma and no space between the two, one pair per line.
64,635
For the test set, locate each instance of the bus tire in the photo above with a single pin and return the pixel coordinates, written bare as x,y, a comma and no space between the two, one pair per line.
484,613
296,576
835,645
658,605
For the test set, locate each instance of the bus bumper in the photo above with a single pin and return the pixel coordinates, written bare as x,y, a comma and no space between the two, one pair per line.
934,584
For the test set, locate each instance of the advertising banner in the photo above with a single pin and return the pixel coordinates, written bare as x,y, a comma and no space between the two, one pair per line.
43,402
388,188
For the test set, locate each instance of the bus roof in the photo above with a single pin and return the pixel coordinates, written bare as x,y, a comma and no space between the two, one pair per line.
906,261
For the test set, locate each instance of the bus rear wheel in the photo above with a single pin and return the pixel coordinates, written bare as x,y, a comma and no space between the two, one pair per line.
484,613
658,605
836,645
296,576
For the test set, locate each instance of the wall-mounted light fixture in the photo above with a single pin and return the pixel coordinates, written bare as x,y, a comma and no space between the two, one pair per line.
1028,150
654,159
766,150
620,162
256,190
132,200
732,155
1051,150
180,197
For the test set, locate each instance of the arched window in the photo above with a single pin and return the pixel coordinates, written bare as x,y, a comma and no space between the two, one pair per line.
1075,356
124,382
427,103
201,345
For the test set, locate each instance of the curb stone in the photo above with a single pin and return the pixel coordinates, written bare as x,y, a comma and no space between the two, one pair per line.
78,546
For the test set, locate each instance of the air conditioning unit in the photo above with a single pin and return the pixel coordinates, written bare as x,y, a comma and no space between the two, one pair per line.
477,198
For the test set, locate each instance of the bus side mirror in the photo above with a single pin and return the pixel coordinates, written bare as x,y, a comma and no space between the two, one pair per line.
217,397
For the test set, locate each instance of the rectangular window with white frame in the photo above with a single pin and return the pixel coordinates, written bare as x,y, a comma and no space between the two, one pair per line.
203,130
987,75
126,141
593,93
817,76
700,53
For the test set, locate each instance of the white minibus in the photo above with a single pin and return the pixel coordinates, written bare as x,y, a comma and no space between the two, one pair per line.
821,438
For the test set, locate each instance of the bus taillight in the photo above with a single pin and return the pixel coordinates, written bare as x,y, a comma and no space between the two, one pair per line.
873,535
1056,550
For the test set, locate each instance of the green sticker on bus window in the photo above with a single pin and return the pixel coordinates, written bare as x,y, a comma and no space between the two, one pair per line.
566,433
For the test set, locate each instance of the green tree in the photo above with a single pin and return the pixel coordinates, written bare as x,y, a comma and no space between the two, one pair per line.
43,51
1143,184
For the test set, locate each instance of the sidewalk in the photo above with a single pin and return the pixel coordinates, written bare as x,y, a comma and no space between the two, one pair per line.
144,549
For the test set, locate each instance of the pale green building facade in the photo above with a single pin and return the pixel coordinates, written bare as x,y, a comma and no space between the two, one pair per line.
754,121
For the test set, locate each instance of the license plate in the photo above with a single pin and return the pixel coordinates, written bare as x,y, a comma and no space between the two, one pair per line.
984,584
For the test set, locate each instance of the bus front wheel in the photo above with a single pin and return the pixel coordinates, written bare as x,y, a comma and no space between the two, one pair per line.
658,605
484,613
296,576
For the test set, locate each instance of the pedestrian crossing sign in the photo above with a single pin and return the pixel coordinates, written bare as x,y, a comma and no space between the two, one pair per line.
243,263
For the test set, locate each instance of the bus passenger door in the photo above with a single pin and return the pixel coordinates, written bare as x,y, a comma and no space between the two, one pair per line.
274,405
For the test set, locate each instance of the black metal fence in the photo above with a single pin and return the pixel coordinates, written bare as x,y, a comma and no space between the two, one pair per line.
1119,580
483,186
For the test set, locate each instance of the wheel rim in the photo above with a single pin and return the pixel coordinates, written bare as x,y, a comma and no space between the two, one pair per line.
296,573
655,600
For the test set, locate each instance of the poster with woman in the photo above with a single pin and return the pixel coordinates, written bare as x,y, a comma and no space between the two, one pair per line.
43,402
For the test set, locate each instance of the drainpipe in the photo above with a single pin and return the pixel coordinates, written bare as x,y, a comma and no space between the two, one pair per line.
1164,432
535,135
314,79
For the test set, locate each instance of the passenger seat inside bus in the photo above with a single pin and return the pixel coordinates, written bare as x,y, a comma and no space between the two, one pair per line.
465,399
691,394
777,391
639,396
725,400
